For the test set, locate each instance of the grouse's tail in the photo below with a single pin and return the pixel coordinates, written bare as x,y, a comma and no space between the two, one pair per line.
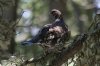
34,40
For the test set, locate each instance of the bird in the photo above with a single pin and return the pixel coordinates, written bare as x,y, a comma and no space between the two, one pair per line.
56,32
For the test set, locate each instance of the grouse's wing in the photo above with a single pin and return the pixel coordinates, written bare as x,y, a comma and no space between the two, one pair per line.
39,36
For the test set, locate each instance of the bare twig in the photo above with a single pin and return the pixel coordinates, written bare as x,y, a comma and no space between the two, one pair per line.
18,20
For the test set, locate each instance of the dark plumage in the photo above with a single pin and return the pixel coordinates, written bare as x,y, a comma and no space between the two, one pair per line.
52,33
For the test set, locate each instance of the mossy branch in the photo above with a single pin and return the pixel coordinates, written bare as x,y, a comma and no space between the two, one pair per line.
72,49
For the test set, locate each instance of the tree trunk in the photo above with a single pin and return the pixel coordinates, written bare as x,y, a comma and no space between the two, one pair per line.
7,27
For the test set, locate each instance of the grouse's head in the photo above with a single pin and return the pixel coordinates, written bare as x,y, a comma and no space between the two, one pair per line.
56,13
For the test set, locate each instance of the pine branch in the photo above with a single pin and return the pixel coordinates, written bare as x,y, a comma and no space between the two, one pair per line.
65,54
72,49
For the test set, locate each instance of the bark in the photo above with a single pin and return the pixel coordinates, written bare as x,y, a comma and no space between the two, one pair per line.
7,27
69,51
65,54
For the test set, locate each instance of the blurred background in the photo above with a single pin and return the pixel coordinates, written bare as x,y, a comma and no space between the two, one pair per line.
33,14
